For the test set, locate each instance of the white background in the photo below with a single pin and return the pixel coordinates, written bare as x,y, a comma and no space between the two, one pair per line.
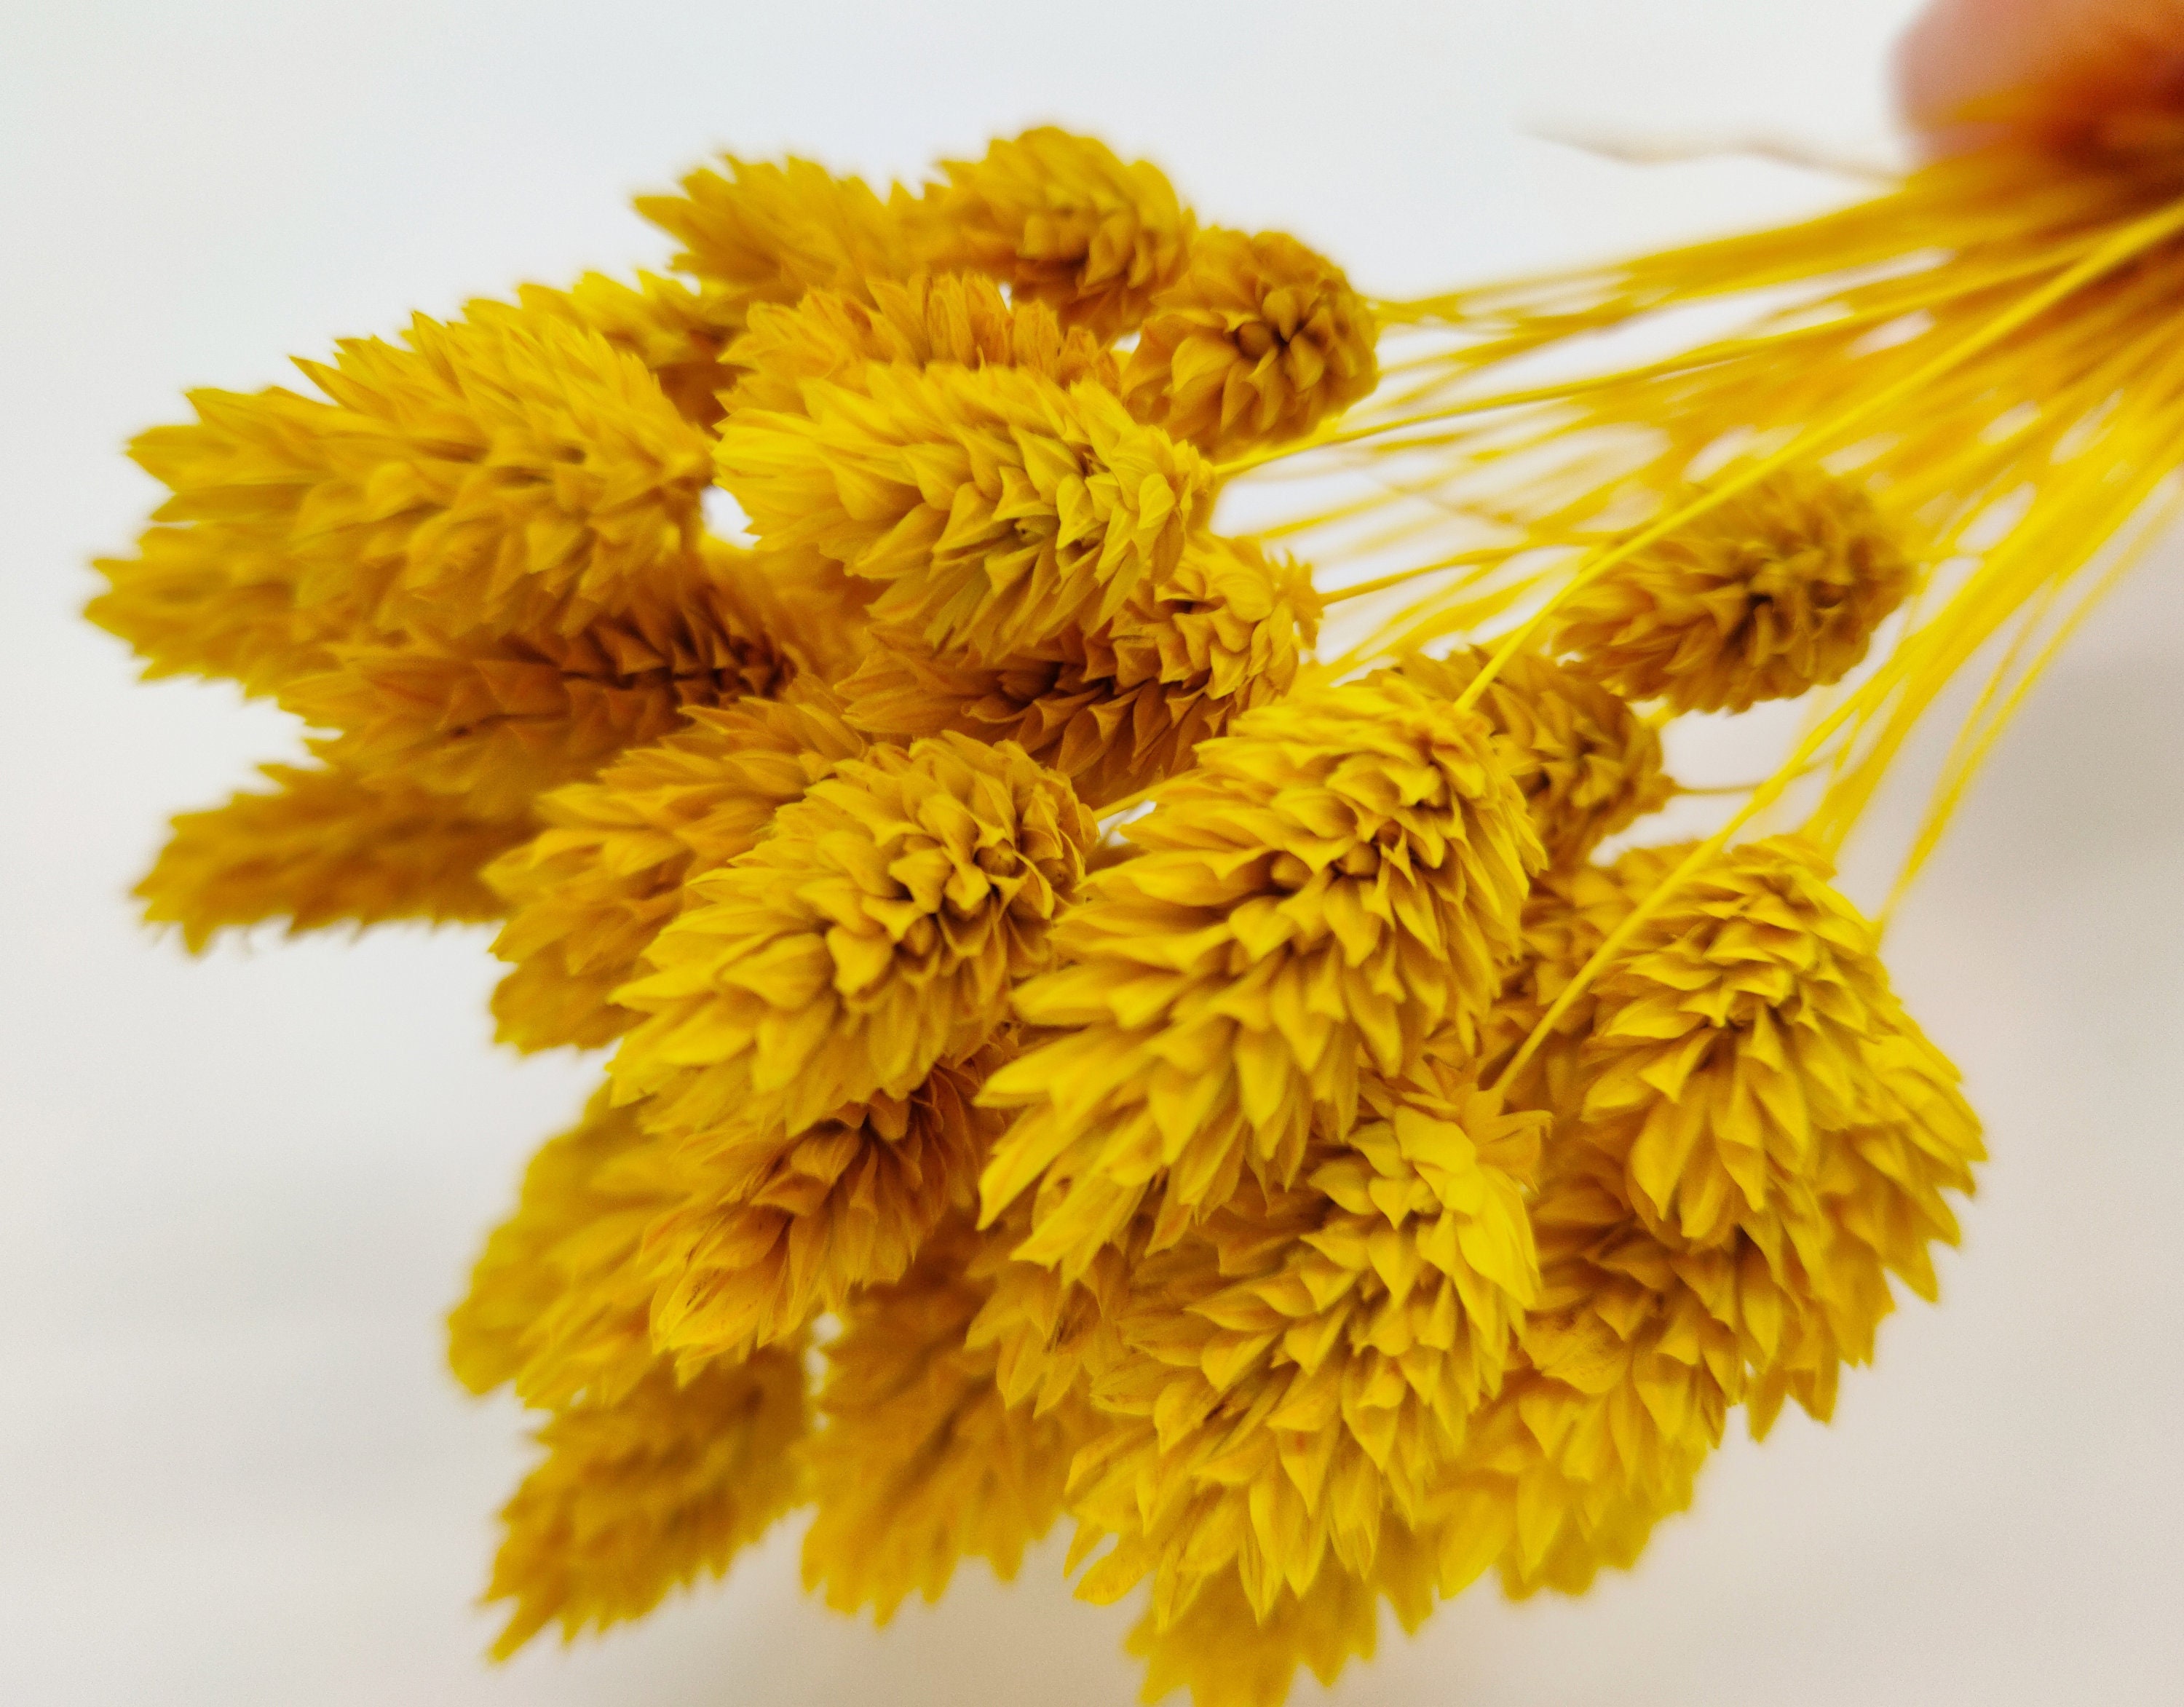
236,1194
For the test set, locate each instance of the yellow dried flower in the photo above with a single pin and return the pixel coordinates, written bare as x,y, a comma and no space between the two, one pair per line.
1335,883
1747,1025
587,894
1303,1365
496,720
921,1463
768,233
1588,763
558,1304
956,318
1628,1381
325,847
636,1498
1567,916
770,1228
994,508
1051,1337
1778,589
513,472
510,472
1889,1128
220,590
875,933
1758,1266
1259,342
1227,1656
1059,219
679,333
217,599
1118,708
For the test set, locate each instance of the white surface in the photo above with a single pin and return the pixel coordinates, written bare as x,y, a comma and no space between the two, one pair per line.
236,1194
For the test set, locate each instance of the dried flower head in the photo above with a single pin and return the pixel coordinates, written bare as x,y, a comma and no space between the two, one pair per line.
325,847
1259,342
769,1228
639,1497
1621,1392
954,318
1568,915
1303,1364
1747,1025
218,598
511,472
993,507
1336,882
1774,591
679,332
1589,764
587,894
921,1462
874,932
495,719
1120,707
768,233
1059,220
1227,1655
558,1305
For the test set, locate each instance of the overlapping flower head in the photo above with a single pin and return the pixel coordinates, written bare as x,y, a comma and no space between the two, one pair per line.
1077,1055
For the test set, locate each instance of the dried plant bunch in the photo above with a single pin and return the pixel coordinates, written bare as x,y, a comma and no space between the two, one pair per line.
1118,1018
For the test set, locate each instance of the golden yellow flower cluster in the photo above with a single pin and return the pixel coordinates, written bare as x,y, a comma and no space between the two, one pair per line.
1075,1053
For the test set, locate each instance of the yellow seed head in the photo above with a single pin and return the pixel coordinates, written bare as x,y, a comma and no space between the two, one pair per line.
1588,765
221,588
1259,342
1337,881
875,933
769,1229
1774,591
1747,1027
1119,708
218,599
510,472
1059,220
513,472
638,1498
993,508
325,847
921,1463
587,894
495,719
956,319
1302,1364
767,233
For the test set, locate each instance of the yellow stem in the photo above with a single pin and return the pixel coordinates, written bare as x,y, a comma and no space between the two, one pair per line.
1398,577
2133,239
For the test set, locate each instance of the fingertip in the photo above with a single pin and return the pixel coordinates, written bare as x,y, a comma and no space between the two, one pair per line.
1966,69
